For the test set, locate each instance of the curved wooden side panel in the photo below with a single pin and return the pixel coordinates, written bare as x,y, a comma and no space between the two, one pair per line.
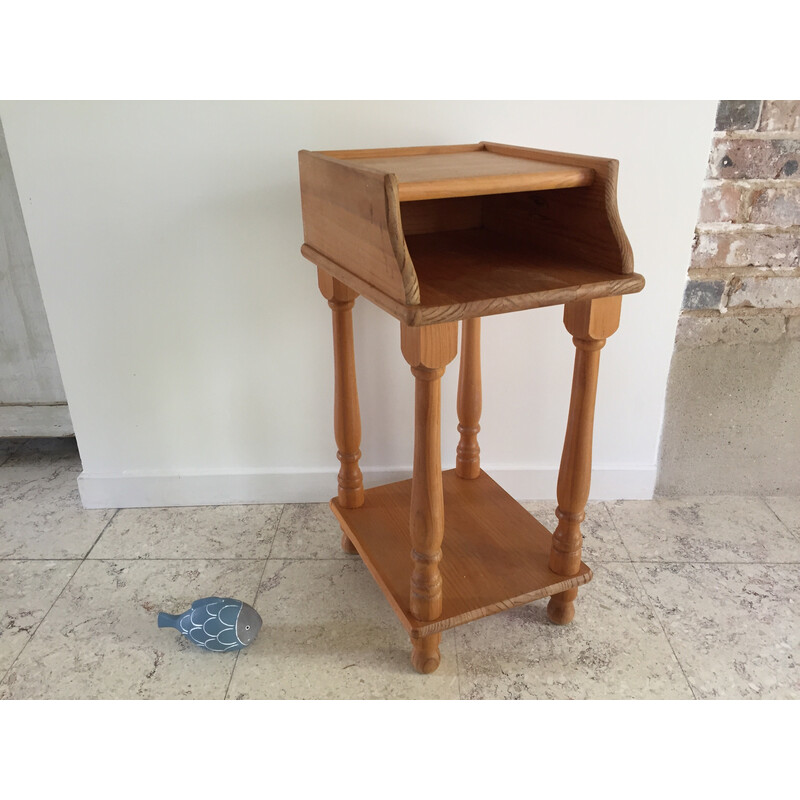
408,274
612,213
352,218
580,223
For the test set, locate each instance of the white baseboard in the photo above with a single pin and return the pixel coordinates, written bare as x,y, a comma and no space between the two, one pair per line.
35,419
146,490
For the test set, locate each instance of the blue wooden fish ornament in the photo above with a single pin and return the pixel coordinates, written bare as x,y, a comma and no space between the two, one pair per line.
216,623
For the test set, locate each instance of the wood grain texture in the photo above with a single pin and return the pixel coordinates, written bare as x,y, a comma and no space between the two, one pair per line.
427,505
440,234
479,272
428,351
494,553
594,320
425,655
468,405
546,283
346,413
479,172
360,285
352,216
582,224
428,261
590,324
449,214
388,152
432,347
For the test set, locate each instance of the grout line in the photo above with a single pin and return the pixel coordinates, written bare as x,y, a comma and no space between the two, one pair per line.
664,631
255,596
616,529
650,599
64,589
105,527
275,532
775,513
458,664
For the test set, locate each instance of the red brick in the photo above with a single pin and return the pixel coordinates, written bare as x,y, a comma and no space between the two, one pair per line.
746,249
754,158
775,206
780,115
720,203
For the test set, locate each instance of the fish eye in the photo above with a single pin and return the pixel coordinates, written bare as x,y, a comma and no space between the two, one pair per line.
247,627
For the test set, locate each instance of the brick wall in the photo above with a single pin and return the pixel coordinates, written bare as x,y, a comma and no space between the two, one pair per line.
732,415
744,277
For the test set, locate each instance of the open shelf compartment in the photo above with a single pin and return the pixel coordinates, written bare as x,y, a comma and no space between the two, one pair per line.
478,272
437,234
494,553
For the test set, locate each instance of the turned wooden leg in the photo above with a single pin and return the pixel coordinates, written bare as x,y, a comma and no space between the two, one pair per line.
346,415
425,653
348,546
428,350
590,322
468,459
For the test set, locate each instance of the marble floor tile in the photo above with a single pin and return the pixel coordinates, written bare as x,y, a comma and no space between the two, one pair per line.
601,542
329,633
788,511
615,648
308,530
101,640
243,531
27,590
642,630
41,515
735,628
703,529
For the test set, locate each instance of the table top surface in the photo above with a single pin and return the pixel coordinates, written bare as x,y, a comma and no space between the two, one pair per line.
469,172
473,164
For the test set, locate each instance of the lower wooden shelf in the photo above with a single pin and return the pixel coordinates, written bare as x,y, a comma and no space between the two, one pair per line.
494,554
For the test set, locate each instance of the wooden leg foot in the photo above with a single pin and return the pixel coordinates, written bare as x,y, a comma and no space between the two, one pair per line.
561,608
425,655
348,546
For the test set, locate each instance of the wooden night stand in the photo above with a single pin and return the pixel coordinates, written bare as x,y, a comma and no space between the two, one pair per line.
434,235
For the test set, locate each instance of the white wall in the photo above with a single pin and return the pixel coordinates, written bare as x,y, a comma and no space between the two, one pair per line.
195,348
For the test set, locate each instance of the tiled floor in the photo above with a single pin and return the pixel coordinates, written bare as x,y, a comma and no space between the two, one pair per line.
692,598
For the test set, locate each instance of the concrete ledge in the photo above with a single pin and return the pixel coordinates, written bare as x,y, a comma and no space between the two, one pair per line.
35,420
144,490
732,419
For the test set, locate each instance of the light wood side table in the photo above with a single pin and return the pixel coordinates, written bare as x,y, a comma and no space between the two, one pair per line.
434,236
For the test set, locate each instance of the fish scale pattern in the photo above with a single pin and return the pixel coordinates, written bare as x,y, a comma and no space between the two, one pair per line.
212,625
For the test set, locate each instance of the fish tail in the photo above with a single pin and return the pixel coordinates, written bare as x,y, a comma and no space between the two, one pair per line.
167,620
